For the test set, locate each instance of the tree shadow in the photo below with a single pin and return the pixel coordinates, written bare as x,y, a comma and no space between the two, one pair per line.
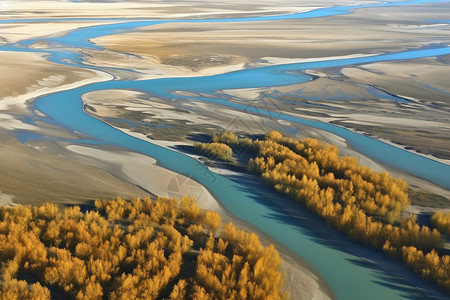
200,137
185,149
84,207
285,210
389,273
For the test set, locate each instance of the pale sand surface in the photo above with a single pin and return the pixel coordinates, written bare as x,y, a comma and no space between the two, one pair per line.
6,200
155,9
148,67
38,172
420,80
144,172
28,75
202,45
143,108
15,32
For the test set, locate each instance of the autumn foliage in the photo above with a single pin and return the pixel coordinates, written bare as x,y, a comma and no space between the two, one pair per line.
368,206
139,249
215,150
441,220
225,137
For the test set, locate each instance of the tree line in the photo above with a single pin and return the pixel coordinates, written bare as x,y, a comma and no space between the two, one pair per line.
368,206
441,220
138,249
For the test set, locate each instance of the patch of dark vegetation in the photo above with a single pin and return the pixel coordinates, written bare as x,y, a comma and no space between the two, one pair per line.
421,141
427,199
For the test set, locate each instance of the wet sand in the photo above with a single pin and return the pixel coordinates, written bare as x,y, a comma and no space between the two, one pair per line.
38,172
26,75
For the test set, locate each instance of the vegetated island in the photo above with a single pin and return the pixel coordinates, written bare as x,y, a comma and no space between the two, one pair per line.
441,220
368,206
138,249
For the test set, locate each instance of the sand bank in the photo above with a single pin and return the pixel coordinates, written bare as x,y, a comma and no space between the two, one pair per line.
19,31
39,171
198,46
144,172
422,80
143,9
6,199
28,75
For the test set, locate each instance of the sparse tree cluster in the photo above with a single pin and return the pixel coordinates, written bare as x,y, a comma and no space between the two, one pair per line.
236,143
225,137
367,205
441,220
431,265
139,249
215,150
